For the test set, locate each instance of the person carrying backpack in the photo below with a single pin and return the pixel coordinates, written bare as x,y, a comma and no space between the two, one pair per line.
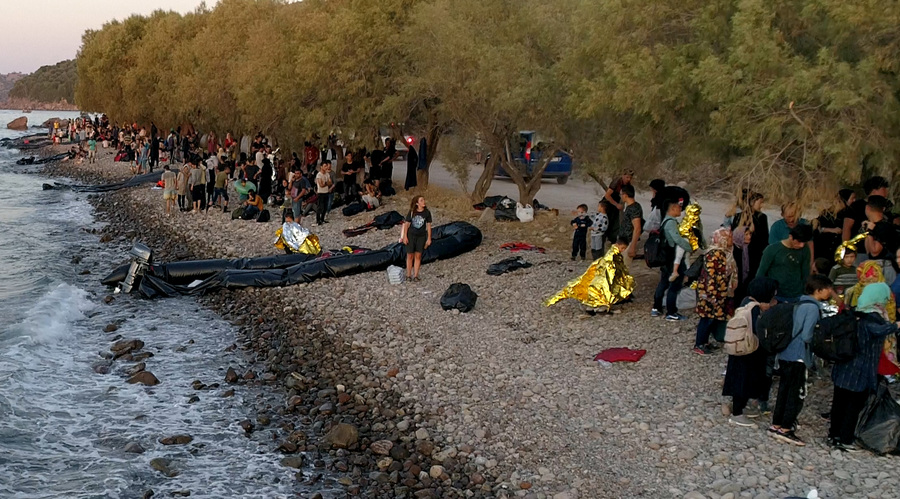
855,379
669,289
745,377
794,359
715,288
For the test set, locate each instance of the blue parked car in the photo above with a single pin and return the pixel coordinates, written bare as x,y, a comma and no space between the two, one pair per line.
529,153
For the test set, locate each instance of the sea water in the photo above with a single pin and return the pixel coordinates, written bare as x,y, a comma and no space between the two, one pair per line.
63,427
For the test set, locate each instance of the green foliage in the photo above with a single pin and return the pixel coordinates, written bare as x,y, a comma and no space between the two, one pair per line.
792,93
48,84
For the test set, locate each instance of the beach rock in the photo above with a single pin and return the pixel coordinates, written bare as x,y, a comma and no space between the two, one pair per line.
148,494
295,462
436,471
181,493
342,435
50,122
134,448
176,440
110,328
101,367
122,347
164,466
288,447
231,375
20,123
247,426
140,366
144,378
382,447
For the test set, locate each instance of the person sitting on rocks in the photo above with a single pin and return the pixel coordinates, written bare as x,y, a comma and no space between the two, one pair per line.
371,196
253,206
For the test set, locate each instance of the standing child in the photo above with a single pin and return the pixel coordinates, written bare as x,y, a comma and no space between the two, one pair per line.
843,275
580,223
599,224
793,361
415,233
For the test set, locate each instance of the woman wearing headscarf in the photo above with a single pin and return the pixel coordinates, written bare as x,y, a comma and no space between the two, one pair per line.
750,232
654,219
715,288
745,377
869,273
855,379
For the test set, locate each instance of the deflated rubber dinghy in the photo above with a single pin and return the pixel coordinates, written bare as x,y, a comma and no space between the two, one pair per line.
202,276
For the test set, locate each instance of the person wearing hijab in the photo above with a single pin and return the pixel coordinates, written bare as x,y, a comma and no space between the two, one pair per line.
855,379
870,272
745,377
750,232
654,219
715,288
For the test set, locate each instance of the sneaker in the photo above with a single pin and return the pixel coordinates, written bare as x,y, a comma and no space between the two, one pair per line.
786,436
846,447
742,421
675,318
700,350
751,412
655,313
712,347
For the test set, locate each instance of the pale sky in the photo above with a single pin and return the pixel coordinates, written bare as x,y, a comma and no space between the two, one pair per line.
35,33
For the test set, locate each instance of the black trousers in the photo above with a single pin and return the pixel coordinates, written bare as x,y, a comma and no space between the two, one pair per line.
791,393
579,245
668,290
321,207
845,411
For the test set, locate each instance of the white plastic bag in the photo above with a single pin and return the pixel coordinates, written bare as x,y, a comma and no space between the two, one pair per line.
524,213
687,299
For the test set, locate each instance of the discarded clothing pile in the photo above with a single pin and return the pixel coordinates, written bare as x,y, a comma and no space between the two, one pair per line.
519,246
385,221
508,265
620,355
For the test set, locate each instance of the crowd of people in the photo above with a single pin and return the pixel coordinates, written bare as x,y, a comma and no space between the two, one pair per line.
201,171
847,258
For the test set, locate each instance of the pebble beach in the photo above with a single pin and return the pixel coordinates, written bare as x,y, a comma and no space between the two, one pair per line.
398,398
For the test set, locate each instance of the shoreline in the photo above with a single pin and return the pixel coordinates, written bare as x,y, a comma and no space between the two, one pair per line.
316,397
507,393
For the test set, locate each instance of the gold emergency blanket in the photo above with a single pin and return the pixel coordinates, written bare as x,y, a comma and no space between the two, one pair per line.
294,238
851,245
605,283
689,223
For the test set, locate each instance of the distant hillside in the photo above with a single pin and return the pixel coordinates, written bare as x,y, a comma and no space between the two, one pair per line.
6,84
49,84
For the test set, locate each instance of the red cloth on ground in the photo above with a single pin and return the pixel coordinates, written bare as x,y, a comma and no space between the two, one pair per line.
519,246
620,355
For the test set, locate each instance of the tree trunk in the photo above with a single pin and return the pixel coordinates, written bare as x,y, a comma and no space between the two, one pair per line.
484,180
528,187
433,137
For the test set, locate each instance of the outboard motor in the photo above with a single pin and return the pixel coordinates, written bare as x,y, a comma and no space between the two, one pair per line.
140,262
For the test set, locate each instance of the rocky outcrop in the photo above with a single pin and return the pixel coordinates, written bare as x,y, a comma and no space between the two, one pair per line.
20,123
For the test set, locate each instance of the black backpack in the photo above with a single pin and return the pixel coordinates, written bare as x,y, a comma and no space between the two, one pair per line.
835,337
459,296
775,327
656,252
